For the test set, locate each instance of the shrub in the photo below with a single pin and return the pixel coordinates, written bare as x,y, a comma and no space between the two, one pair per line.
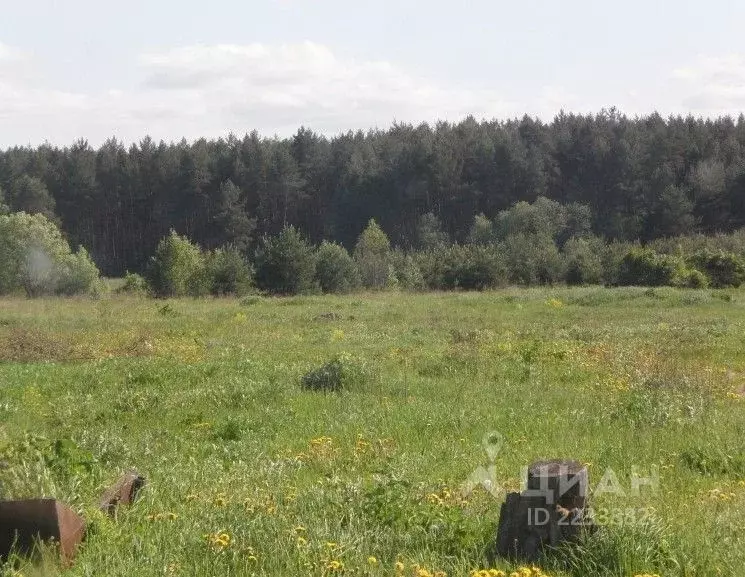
431,265
79,275
178,268
372,254
583,261
612,255
429,232
533,259
482,230
228,272
37,260
692,278
285,263
133,284
468,267
645,267
407,274
336,271
340,373
473,267
724,269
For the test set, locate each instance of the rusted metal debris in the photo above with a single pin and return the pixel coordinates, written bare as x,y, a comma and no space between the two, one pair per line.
23,523
123,492
550,510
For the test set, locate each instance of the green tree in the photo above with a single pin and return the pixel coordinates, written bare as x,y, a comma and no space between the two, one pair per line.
178,268
37,260
29,194
533,259
482,230
285,263
430,233
407,273
673,214
238,227
544,217
372,256
724,269
336,271
4,208
228,272
583,261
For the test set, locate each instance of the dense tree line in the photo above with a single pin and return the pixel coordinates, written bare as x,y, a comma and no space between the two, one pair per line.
624,178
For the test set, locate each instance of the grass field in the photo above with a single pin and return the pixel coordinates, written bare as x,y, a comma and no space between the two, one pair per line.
251,475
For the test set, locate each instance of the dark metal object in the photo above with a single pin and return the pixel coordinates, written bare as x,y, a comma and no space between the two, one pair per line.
123,492
24,523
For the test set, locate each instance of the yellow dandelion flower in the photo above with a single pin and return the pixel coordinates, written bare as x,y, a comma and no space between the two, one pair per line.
335,565
399,567
372,560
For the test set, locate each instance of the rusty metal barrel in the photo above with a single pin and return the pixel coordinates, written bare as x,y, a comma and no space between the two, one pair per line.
24,523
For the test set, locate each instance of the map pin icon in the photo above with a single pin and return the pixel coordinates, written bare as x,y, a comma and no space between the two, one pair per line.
492,443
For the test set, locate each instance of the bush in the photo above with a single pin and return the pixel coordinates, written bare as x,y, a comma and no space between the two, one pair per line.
692,278
336,271
285,263
645,267
467,267
724,269
482,230
178,268
372,254
37,260
229,273
612,255
431,265
407,274
583,261
533,259
340,373
133,284
473,267
79,275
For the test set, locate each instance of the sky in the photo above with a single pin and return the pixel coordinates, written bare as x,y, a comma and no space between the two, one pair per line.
97,69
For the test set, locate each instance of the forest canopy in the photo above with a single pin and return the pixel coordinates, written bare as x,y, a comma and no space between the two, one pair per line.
618,178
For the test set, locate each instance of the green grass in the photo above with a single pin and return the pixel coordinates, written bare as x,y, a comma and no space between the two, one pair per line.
204,398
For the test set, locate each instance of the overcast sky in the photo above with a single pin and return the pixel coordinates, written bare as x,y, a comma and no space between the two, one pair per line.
188,68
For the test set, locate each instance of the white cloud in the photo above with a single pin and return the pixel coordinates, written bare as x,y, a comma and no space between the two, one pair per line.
710,86
275,88
11,54
211,90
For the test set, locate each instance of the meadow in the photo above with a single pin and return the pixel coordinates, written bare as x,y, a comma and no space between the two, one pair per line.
250,474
